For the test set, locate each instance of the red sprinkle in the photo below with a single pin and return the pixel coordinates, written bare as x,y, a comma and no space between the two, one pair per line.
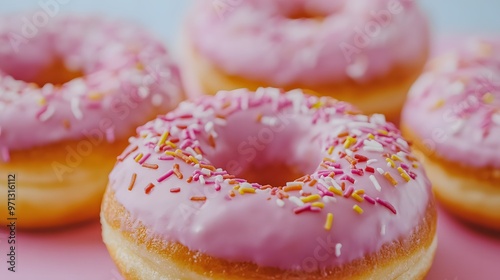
175,190
370,169
360,158
386,205
148,188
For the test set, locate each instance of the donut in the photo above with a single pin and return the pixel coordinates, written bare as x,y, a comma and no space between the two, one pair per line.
366,53
453,117
269,185
71,95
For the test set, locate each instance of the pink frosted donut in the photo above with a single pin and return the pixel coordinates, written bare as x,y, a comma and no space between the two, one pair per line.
332,193
70,97
458,100
365,52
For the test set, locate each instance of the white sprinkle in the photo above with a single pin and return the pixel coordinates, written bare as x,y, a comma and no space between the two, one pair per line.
219,179
157,100
197,166
373,149
349,152
363,123
456,88
202,179
75,108
378,119
221,122
372,143
338,247
294,184
269,121
296,200
327,199
402,142
496,118
336,185
370,161
209,126
356,132
47,114
206,171
280,202
246,185
457,126
174,130
382,230
401,154
380,170
375,183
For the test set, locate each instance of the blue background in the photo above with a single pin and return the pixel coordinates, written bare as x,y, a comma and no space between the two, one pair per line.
165,16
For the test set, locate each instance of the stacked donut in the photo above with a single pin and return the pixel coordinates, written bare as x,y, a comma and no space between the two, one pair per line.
458,100
69,99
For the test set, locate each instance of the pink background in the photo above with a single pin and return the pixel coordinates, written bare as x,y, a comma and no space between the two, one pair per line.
78,253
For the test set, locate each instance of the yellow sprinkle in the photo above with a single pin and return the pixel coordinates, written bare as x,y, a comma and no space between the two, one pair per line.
440,103
317,105
329,221
391,162
163,138
360,191
349,141
395,157
358,209
138,157
335,191
415,165
328,159
237,187
382,131
246,190
357,197
310,198
371,136
139,66
488,98
193,159
172,145
390,178
403,174
42,101
318,204
170,153
95,96
330,150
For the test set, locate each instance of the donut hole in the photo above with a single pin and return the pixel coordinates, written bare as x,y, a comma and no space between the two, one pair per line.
266,154
52,72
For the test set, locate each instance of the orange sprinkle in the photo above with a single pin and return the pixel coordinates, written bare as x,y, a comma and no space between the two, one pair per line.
197,149
233,182
259,117
177,172
324,166
343,134
390,178
198,198
190,179
265,187
211,141
292,188
351,160
227,176
313,182
175,190
231,193
149,187
132,182
209,167
152,166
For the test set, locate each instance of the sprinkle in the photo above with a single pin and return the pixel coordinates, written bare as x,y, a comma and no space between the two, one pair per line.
496,118
313,182
144,158
358,172
175,190
403,174
373,149
349,141
280,202
390,163
177,171
440,103
360,158
329,221
390,178
369,199
349,192
296,200
132,182
45,113
395,158
357,209
151,166
336,191
380,170
125,155
211,141
369,169
246,190
164,177
357,197
386,205
318,205
148,188
310,198
166,158
163,138
338,248
348,178
370,161
302,208
138,157
375,183
75,108
198,198
330,150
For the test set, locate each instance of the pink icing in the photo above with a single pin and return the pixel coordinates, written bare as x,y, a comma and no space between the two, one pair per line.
128,72
257,40
458,100
256,225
